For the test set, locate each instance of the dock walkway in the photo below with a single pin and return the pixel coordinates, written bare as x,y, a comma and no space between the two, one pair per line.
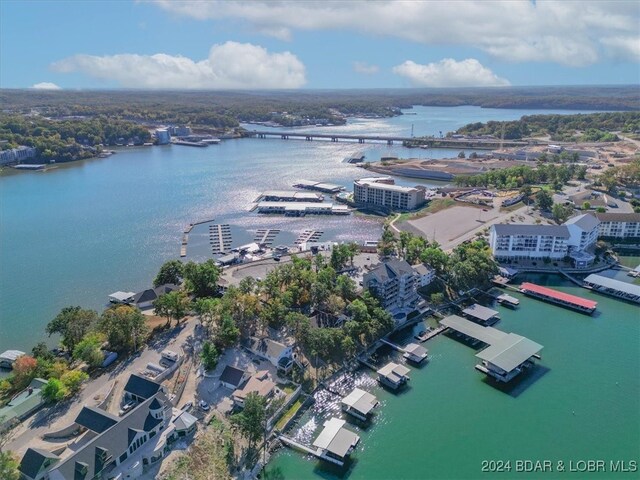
297,445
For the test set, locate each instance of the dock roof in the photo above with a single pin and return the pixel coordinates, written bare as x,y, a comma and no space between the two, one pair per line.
510,351
360,401
487,335
565,297
480,312
336,439
392,370
415,349
613,284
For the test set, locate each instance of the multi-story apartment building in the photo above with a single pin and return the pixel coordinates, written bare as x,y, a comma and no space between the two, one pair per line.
395,283
583,231
381,192
529,241
163,136
619,225
17,155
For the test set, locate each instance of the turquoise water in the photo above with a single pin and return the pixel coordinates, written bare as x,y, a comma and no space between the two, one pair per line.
582,402
74,234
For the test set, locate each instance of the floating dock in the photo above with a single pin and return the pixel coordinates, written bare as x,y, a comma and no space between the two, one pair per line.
559,298
290,196
219,238
266,236
613,287
481,314
508,300
300,209
190,144
309,236
359,404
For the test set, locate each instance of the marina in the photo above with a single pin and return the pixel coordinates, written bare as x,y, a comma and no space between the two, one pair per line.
300,209
507,300
559,298
266,236
319,186
220,238
393,375
359,404
481,314
289,196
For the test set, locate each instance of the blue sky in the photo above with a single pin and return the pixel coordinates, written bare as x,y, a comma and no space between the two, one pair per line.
317,44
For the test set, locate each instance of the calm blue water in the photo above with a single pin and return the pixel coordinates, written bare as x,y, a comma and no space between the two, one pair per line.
74,234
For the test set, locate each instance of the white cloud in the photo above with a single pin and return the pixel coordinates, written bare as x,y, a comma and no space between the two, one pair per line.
450,73
46,86
365,68
624,47
231,65
566,32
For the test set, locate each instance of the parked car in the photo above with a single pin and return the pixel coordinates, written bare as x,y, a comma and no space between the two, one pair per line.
204,406
187,407
127,406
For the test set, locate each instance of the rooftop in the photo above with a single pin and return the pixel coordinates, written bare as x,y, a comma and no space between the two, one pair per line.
393,370
141,387
618,217
259,383
565,297
487,335
480,312
586,221
613,284
360,401
510,351
386,186
336,439
544,230
232,375
388,270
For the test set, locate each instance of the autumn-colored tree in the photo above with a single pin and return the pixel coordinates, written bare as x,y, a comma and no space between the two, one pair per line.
24,370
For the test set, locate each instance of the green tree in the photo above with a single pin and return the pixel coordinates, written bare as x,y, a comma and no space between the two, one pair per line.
586,206
437,298
9,466
387,243
561,213
125,327
201,279
346,287
72,324
299,325
73,379
170,272
54,390
251,421
435,258
544,200
172,306
89,350
41,351
601,210
209,356
228,333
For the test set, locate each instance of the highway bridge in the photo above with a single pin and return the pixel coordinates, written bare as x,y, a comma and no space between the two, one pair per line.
487,143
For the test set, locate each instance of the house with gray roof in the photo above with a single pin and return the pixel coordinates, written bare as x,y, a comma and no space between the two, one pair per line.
112,447
139,388
145,298
279,354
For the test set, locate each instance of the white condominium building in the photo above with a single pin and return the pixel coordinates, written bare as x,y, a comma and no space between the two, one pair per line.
619,225
583,231
529,241
382,192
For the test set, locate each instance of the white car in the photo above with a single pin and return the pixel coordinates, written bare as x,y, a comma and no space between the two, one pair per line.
204,406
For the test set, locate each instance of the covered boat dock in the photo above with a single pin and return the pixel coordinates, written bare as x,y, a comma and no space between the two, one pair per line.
359,404
481,314
507,355
613,287
559,298
393,375
335,443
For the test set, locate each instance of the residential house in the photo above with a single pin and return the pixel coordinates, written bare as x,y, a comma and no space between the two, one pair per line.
139,388
424,274
280,355
259,383
112,447
232,377
23,404
145,299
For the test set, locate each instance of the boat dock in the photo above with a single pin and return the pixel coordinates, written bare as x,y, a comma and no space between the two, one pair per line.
190,144
289,196
298,446
319,186
300,209
266,236
507,354
507,300
612,287
219,238
308,236
559,298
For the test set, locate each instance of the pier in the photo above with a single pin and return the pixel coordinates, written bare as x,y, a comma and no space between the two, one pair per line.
479,143
613,287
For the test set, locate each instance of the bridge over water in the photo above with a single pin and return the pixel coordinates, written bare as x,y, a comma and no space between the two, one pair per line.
480,143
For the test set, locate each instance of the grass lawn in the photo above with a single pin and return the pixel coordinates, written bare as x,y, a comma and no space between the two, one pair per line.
434,206
290,413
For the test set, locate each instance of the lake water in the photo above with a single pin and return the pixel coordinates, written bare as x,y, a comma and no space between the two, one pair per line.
581,402
76,233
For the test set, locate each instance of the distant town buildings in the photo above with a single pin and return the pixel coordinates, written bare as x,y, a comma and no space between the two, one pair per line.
619,225
382,192
17,155
179,131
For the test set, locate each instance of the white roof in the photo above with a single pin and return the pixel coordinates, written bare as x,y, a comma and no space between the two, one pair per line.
613,284
510,351
11,355
488,335
478,311
336,439
393,368
415,349
121,296
361,401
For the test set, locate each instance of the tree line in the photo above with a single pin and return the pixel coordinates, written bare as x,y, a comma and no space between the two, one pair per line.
521,175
